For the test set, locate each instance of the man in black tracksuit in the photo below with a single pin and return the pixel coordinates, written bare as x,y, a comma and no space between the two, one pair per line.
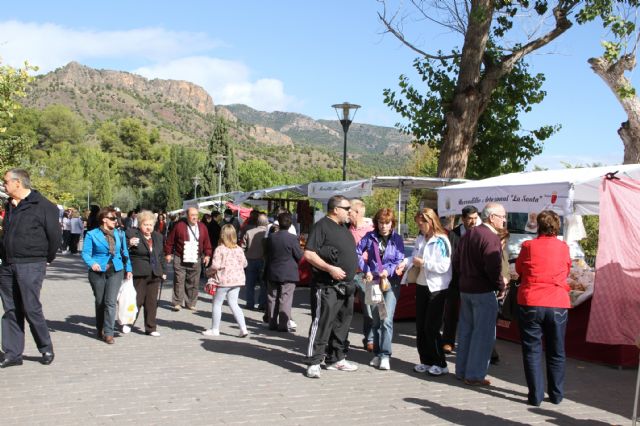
30,240
331,251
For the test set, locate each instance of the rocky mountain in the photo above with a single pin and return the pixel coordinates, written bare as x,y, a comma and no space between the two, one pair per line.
184,113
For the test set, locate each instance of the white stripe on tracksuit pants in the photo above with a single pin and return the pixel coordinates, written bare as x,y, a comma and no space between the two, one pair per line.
331,318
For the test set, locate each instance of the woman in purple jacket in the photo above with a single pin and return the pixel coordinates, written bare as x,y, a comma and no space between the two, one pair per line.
380,255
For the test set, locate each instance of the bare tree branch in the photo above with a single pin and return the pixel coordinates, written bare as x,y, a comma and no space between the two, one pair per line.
391,29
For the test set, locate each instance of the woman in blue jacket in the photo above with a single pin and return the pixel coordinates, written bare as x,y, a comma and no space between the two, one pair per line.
105,252
380,255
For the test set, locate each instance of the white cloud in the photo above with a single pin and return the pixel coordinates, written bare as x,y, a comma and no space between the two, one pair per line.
226,81
170,54
50,46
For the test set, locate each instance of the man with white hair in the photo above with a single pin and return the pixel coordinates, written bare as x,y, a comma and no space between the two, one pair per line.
478,259
190,247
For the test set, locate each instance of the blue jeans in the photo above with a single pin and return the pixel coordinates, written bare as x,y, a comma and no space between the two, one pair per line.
253,275
383,330
367,317
105,287
476,334
534,322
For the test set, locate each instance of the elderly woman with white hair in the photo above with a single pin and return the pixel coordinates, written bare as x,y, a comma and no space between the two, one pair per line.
149,266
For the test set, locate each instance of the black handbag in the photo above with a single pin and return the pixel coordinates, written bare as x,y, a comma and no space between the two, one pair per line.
509,308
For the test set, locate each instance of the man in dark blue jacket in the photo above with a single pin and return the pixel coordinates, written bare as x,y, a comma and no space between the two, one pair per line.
283,254
30,240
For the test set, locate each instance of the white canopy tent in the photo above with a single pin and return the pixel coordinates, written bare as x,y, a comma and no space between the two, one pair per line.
322,191
566,191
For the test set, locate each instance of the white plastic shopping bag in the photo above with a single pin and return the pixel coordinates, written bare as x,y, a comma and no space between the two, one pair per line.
373,294
127,308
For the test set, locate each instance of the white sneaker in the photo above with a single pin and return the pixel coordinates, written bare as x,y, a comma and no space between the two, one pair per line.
437,371
211,332
126,329
243,333
291,325
384,364
154,334
375,362
421,368
313,371
342,365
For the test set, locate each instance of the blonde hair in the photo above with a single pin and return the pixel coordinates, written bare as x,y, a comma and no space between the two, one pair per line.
228,236
146,216
429,215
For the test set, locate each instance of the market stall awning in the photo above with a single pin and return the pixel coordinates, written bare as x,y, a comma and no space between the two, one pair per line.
565,191
258,194
364,187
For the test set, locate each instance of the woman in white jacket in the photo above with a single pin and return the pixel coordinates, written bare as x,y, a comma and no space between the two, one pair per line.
432,254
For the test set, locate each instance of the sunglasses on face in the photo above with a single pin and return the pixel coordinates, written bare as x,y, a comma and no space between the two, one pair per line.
110,217
344,208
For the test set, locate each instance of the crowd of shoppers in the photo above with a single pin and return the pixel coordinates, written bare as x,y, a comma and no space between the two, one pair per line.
465,270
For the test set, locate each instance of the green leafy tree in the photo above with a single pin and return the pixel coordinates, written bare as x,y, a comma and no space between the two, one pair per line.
101,186
59,124
487,52
14,148
257,174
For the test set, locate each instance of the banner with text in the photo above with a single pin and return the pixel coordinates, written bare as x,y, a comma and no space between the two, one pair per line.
349,189
515,199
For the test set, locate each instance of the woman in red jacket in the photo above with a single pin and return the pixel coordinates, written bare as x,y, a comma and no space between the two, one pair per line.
543,265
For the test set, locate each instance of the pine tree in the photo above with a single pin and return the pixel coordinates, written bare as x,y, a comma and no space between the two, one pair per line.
102,185
170,181
216,149
220,145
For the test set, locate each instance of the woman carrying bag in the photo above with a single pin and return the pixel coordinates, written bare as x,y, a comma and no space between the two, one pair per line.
149,266
432,256
105,252
380,257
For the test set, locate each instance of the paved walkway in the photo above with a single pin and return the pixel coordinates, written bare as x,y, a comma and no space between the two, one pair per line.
183,377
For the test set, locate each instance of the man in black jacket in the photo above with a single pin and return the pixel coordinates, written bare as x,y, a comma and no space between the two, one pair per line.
283,254
30,241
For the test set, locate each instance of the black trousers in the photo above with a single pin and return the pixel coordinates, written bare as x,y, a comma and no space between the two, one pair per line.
331,314
20,286
429,309
147,297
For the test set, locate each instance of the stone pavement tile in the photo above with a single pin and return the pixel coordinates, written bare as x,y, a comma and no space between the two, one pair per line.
183,377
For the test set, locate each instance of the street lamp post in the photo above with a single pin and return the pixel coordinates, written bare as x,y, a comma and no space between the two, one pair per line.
346,112
196,182
220,165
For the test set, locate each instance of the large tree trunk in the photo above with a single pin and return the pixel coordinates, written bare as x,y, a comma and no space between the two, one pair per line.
613,76
473,88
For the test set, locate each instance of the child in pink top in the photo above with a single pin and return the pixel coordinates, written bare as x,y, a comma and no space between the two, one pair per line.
227,268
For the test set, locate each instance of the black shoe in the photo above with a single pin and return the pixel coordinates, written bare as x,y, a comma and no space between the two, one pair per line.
10,362
47,358
495,360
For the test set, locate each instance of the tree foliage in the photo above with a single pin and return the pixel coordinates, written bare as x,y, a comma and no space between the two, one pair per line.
478,66
501,145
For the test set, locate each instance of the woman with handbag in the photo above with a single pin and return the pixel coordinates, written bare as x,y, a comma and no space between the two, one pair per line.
543,298
432,256
149,266
105,252
380,256
227,269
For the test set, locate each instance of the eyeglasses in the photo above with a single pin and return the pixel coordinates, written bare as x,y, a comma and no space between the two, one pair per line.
346,209
501,216
111,217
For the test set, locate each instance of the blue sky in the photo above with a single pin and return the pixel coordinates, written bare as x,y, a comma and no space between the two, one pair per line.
301,57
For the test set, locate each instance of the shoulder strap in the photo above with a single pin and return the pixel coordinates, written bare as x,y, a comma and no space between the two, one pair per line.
376,251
